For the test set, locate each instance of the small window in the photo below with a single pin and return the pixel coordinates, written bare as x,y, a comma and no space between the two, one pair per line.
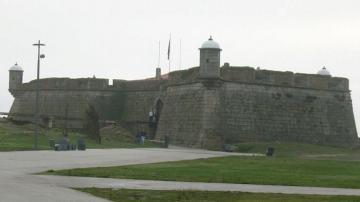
207,60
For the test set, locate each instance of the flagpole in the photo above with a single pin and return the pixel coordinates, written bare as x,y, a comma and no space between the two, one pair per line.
180,56
169,51
159,56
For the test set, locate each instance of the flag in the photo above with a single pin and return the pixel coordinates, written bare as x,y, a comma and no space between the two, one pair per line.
168,53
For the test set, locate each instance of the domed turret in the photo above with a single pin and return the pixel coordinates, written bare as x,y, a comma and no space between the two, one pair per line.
210,44
15,77
16,67
324,72
210,59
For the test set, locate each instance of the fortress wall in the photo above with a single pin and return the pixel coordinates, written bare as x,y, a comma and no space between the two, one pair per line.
138,105
137,85
274,78
245,74
244,105
67,83
286,79
282,78
182,115
211,135
301,80
212,113
140,98
183,76
143,85
255,113
79,93
53,103
318,81
119,83
337,83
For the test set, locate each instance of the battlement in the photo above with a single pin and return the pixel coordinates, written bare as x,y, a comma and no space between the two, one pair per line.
228,73
91,84
137,85
265,77
286,79
68,84
183,76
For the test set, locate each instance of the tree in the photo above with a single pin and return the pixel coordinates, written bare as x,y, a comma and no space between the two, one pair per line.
92,125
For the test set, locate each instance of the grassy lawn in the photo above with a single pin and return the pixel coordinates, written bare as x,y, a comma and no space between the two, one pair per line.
291,149
294,164
236,169
128,195
21,137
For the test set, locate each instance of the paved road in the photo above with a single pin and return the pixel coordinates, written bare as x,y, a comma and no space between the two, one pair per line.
17,184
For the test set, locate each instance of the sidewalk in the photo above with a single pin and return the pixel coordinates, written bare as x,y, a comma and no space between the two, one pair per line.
81,182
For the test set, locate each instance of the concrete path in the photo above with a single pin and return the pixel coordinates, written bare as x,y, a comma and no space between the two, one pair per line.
17,184
79,182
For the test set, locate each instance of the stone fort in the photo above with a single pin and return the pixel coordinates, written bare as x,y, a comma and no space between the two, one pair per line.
204,106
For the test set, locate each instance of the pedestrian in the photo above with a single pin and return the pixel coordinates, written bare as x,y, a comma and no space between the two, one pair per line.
142,138
138,138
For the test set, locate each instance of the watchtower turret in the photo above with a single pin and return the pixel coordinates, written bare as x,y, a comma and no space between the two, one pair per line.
15,77
210,59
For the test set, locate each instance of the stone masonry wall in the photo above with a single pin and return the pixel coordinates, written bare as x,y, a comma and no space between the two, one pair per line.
258,113
139,104
79,93
182,115
209,114
53,104
243,105
286,79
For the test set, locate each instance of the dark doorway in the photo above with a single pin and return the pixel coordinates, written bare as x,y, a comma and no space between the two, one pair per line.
159,106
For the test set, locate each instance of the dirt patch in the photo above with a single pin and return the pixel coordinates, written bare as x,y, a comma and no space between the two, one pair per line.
116,132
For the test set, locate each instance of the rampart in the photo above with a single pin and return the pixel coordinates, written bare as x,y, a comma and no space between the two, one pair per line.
206,106
135,97
249,75
286,79
67,84
244,104
210,114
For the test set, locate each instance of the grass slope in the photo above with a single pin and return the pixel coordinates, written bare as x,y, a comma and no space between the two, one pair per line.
291,149
128,195
21,137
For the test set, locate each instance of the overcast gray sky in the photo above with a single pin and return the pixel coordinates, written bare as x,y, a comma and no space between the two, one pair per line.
119,39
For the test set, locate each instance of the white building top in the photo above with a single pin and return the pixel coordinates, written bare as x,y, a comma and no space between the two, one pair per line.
210,44
16,67
324,72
